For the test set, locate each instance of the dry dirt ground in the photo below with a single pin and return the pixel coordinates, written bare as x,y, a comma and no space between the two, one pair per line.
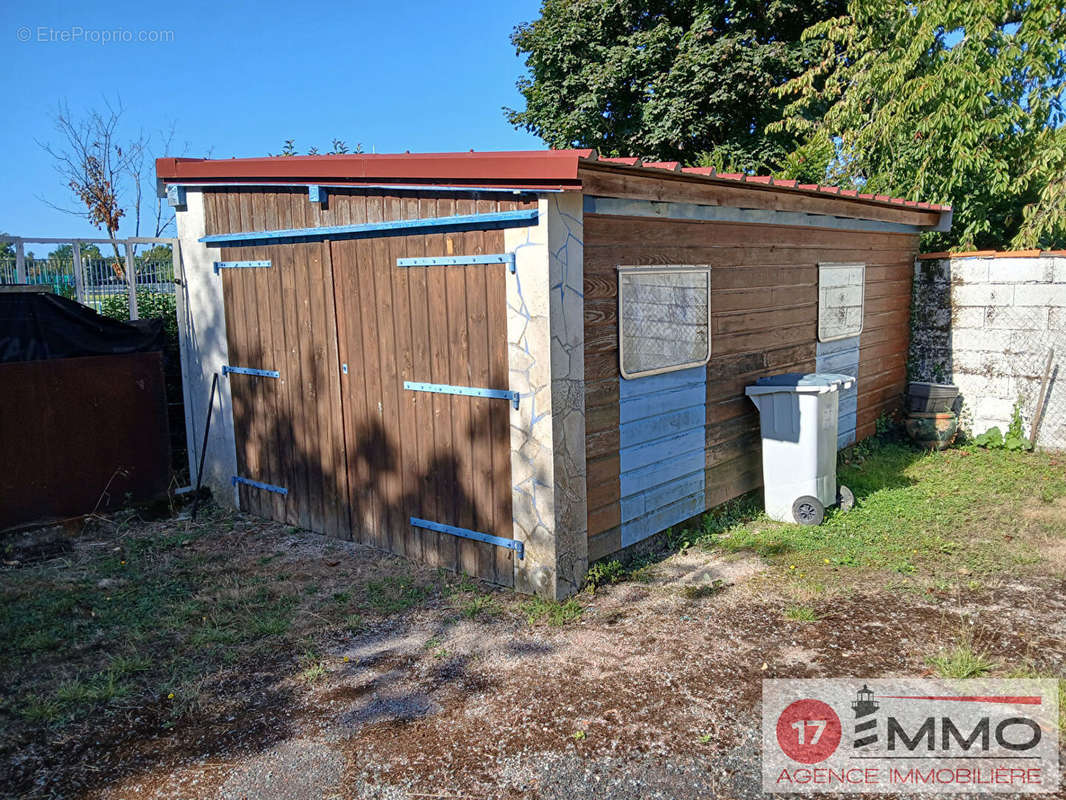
651,691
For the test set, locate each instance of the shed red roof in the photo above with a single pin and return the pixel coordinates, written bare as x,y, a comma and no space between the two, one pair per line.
531,169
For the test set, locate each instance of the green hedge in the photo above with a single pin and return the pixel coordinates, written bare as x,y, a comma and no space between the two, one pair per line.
150,305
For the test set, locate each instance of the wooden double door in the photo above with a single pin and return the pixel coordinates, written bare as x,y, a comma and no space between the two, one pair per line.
356,453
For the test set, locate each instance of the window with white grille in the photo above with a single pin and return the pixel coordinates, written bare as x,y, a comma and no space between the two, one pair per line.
840,296
664,318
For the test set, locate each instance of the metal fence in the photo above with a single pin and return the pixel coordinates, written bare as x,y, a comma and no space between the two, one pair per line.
999,334
1028,368
102,280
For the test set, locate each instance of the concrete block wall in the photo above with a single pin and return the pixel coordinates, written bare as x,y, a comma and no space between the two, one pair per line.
986,323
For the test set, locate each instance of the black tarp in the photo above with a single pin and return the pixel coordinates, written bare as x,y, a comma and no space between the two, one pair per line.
36,326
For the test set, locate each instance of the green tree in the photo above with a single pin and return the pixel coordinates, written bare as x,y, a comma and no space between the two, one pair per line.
65,252
943,101
686,80
156,254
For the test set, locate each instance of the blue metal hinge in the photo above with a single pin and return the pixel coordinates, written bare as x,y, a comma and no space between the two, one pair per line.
262,373
317,194
466,533
176,197
240,265
469,391
269,487
446,261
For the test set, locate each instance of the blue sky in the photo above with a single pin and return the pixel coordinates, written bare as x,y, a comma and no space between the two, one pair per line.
237,79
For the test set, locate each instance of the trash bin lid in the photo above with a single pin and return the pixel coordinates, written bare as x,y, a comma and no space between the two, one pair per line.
816,382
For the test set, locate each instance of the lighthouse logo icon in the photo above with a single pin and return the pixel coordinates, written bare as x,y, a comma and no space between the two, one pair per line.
865,707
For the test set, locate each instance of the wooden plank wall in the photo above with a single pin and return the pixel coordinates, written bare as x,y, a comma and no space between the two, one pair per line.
359,453
764,320
444,458
288,431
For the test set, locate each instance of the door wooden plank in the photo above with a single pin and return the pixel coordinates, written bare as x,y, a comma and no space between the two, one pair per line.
293,440
388,421
407,437
499,432
477,360
372,436
337,472
269,421
304,277
425,504
443,466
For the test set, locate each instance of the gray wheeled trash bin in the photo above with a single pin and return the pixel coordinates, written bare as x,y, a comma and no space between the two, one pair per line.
798,415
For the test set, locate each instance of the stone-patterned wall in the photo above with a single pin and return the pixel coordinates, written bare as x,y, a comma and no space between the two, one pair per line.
545,334
986,323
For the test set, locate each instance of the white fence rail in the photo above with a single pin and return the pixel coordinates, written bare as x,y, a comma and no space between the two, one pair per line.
110,269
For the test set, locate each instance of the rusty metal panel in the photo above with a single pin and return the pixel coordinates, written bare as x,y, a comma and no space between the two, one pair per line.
81,434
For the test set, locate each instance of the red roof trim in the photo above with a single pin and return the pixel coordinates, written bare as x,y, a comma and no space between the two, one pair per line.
526,169
672,166
992,254
521,170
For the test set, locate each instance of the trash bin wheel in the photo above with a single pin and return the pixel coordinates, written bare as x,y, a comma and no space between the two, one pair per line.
845,498
808,510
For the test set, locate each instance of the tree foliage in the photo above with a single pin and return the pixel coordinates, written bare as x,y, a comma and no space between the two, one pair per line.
65,253
947,101
109,172
685,80
338,147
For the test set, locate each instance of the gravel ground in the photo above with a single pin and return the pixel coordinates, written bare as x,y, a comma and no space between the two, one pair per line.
648,695
653,692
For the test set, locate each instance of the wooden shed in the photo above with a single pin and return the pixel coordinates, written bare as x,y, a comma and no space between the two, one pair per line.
511,364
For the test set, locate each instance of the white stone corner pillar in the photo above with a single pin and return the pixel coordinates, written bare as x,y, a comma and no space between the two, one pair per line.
202,338
546,345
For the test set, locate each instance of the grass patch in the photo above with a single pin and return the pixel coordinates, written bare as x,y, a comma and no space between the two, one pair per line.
604,573
698,591
480,605
958,515
552,612
138,611
800,613
312,668
961,661
394,595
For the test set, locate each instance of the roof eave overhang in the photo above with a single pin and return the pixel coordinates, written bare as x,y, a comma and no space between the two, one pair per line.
758,193
532,171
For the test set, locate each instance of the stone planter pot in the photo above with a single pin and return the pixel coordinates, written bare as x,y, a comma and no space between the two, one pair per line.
933,431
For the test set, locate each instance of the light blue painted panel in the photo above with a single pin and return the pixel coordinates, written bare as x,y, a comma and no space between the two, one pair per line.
672,466
657,427
842,356
638,505
845,363
846,431
662,519
662,450
667,381
838,346
655,404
